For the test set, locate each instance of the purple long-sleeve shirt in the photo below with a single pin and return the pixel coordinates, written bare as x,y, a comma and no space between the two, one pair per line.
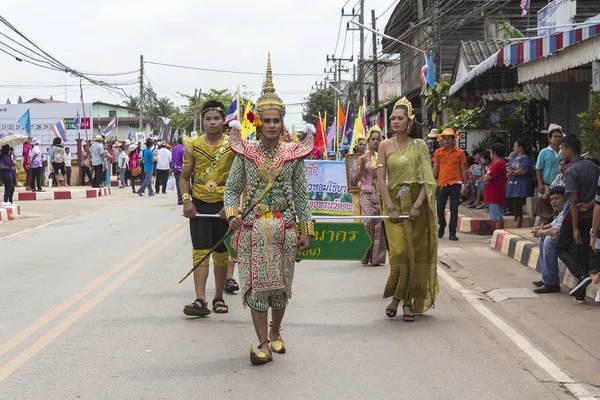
6,160
177,157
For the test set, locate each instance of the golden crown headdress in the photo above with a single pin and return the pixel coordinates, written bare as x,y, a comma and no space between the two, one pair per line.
404,102
268,100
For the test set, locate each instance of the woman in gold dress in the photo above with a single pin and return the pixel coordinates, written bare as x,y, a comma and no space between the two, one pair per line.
405,181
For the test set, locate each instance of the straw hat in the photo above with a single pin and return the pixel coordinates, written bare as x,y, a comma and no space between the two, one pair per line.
99,138
434,133
448,132
553,127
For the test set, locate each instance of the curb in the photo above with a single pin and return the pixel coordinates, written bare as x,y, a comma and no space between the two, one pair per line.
63,194
10,213
478,226
527,253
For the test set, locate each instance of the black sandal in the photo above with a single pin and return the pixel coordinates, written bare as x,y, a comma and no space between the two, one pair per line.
231,286
199,308
408,317
220,308
391,312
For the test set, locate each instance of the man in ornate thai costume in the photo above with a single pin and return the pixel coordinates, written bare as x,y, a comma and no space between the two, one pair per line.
209,158
405,181
266,240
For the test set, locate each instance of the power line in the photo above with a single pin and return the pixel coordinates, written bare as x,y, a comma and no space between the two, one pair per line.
225,71
388,9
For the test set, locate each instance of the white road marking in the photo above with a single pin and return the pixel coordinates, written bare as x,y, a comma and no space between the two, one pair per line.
576,389
60,219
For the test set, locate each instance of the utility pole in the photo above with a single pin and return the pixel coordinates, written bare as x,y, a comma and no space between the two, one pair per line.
361,61
195,108
424,116
375,72
141,93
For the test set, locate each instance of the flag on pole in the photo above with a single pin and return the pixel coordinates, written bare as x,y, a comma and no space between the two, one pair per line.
130,133
340,116
25,122
331,134
169,135
319,139
111,125
247,127
525,7
60,130
99,127
176,135
365,117
232,114
347,130
77,121
358,130
424,72
161,133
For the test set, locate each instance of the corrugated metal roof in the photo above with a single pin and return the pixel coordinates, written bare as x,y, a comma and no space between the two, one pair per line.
477,51
533,92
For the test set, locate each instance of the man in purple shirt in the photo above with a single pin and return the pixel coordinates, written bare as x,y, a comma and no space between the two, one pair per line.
177,160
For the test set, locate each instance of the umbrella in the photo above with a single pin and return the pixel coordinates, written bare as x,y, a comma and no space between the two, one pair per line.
12,139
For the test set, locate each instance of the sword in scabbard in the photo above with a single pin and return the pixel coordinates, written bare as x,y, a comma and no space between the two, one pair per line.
229,231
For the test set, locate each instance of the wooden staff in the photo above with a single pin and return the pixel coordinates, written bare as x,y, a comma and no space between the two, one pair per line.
229,231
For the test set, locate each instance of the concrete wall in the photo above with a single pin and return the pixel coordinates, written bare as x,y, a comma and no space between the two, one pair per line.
102,111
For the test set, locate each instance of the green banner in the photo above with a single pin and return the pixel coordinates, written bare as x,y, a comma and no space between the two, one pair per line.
335,241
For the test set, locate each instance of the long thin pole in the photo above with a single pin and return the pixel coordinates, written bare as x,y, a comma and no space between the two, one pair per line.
141,93
375,72
195,108
324,217
361,61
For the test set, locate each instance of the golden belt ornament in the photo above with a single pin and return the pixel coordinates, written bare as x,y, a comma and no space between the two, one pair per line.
211,186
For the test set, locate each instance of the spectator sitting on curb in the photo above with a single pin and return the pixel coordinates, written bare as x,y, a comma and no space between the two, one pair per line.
548,234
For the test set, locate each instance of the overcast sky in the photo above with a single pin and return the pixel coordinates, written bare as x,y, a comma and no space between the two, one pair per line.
109,37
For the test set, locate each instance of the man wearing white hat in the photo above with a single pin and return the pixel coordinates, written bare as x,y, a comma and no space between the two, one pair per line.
432,142
163,167
96,154
547,169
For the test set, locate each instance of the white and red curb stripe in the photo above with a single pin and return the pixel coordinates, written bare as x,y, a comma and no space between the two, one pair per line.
11,212
63,194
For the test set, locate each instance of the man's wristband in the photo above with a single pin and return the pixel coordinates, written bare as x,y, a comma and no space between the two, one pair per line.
186,197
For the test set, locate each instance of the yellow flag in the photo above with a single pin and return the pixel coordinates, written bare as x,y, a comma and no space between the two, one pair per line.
358,130
247,127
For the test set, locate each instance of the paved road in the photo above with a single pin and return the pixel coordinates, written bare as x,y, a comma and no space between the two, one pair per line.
90,308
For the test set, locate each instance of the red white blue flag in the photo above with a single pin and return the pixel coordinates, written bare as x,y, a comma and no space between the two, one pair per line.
525,6
232,114
77,121
109,127
60,130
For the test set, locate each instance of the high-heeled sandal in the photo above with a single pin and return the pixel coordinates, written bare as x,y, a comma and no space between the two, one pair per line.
278,346
408,317
261,357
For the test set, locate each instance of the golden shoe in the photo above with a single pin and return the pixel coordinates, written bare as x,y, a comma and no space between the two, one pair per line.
278,346
260,358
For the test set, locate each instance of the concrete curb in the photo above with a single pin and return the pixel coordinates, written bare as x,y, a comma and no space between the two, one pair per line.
527,253
10,213
478,226
67,194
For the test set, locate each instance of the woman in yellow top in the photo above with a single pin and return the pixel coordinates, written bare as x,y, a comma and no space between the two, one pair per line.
405,181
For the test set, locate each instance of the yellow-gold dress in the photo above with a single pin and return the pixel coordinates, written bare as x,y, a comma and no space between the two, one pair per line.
412,244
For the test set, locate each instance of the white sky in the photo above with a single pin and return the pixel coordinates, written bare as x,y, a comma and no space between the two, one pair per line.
109,36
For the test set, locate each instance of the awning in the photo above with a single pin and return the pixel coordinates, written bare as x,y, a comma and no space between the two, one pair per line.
517,54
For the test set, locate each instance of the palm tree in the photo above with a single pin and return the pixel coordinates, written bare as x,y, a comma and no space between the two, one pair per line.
164,106
132,102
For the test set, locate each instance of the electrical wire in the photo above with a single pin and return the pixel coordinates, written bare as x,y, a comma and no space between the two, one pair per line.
226,71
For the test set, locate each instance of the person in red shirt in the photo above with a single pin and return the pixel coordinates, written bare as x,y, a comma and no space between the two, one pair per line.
495,185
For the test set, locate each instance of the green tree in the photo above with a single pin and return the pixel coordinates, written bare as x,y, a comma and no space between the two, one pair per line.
590,126
438,99
320,101
132,102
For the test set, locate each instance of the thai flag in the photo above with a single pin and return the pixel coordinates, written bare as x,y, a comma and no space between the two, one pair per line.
161,133
232,114
99,127
60,130
110,126
130,133
77,121
424,72
525,6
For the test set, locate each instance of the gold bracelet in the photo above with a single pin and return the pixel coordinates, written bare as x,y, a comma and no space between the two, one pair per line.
186,197
307,228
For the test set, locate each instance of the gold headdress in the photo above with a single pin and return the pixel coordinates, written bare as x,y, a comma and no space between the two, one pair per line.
374,128
268,100
404,102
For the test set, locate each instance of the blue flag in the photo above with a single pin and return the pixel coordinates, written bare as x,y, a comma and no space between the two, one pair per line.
25,122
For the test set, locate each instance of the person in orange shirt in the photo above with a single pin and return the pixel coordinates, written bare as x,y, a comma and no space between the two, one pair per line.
450,171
